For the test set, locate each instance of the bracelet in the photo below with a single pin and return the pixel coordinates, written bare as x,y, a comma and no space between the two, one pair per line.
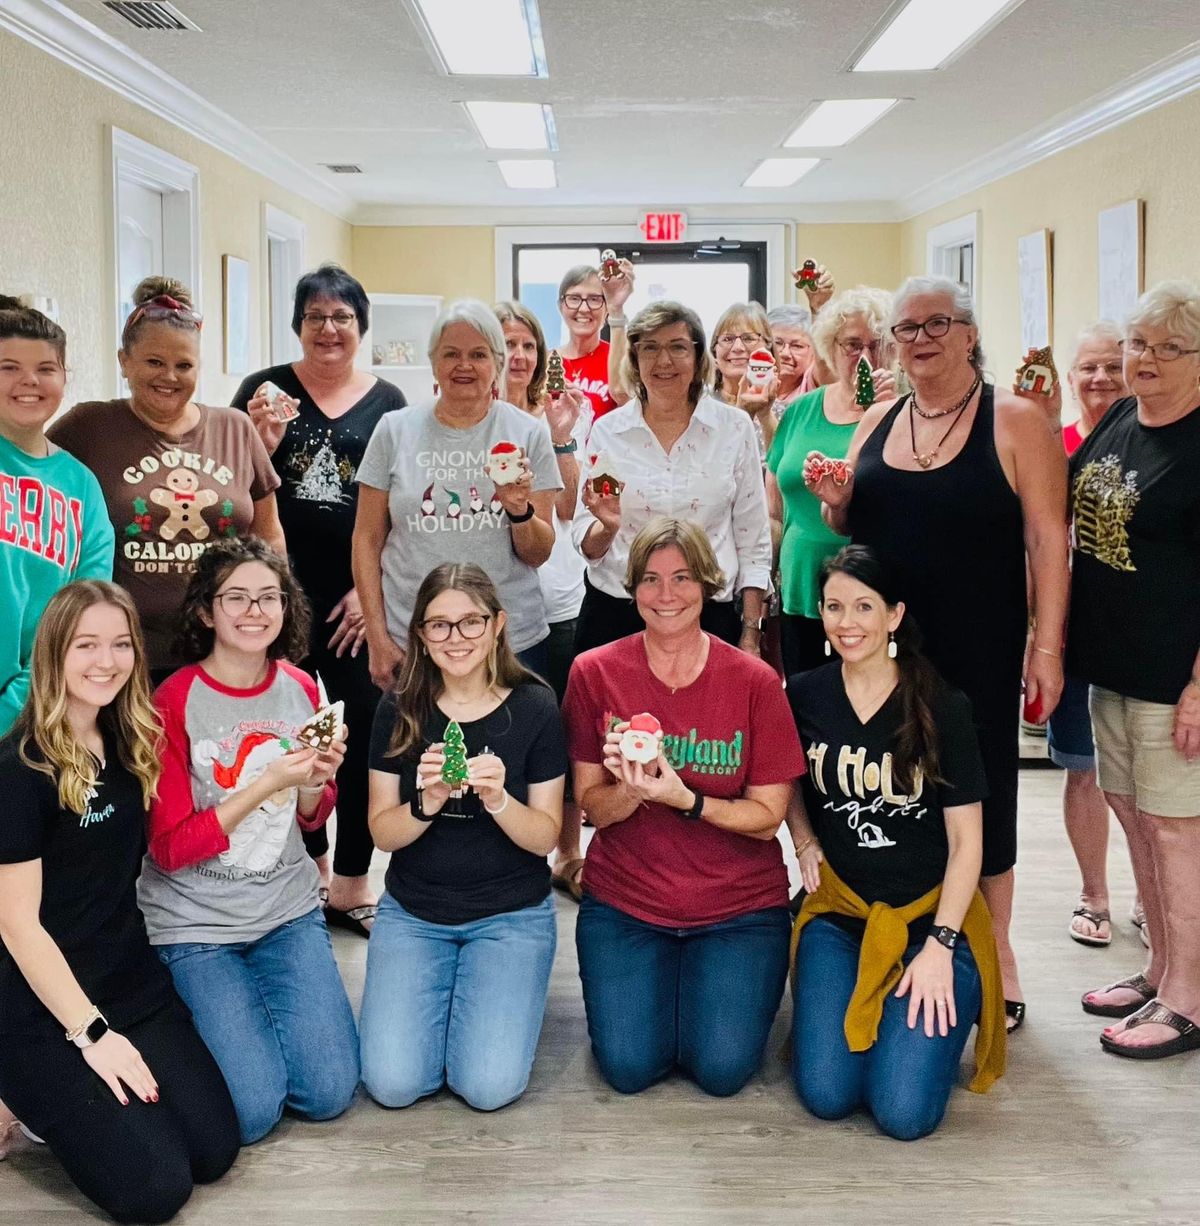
567,448
520,519
806,844
1057,655
76,1031
503,806
617,321
752,623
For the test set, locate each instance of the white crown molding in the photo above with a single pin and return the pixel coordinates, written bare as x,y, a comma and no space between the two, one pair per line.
1163,82
865,213
57,30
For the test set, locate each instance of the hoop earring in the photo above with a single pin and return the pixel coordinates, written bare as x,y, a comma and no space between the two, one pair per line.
828,648
891,646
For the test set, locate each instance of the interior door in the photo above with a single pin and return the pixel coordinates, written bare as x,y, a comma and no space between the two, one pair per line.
140,246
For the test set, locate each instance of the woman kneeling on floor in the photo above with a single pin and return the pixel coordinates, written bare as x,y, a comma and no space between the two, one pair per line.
684,759
894,953
130,1101
467,771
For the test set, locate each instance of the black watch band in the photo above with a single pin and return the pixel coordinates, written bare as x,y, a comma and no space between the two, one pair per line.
693,814
520,519
945,936
416,806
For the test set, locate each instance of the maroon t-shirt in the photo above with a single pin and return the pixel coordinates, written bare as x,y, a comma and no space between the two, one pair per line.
729,730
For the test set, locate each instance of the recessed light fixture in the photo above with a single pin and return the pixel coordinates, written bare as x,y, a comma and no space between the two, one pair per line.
838,121
513,125
780,172
528,172
485,38
926,33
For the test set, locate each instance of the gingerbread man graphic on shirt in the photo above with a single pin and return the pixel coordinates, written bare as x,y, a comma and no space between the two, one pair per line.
184,501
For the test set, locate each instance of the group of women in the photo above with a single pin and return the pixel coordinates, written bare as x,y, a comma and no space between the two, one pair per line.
615,539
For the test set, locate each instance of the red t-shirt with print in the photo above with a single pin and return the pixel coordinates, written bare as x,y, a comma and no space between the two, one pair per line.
728,730
590,374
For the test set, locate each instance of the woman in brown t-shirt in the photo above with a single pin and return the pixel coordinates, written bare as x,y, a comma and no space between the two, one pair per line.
176,475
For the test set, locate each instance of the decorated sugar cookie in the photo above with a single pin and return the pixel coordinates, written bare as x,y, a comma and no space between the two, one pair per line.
454,768
504,463
282,406
640,741
323,728
807,277
604,479
1037,373
556,379
609,265
816,467
760,368
864,385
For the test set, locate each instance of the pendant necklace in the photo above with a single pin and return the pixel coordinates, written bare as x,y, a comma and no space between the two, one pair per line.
926,458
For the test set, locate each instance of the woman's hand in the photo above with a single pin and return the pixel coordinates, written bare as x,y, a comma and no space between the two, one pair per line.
1050,405
562,414
825,487
654,781
435,791
114,1059
514,497
604,507
351,630
617,289
756,400
385,661
885,384
810,860
270,429
328,761
291,770
1043,681
928,980
1187,722
485,773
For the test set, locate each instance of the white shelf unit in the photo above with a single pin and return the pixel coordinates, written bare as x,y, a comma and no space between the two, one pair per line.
397,346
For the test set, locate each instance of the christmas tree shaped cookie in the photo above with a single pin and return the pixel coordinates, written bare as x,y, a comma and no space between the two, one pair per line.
864,385
454,768
323,728
556,379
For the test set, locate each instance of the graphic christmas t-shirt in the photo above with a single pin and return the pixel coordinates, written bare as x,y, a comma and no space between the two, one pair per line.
729,730
886,844
317,461
443,508
1135,563
198,883
590,374
168,499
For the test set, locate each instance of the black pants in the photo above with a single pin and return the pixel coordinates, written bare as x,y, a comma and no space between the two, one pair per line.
604,619
802,642
138,1163
347,680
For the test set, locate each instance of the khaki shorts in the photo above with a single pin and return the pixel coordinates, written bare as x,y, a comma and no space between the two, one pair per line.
1136,755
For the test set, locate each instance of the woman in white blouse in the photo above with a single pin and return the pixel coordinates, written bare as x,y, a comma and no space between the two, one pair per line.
673,450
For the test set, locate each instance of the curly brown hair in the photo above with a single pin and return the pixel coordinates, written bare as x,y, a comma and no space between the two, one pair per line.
195,638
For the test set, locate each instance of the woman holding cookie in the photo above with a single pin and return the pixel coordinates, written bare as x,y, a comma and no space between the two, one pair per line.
467,768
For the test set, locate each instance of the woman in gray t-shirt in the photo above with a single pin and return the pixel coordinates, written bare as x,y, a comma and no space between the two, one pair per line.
469,478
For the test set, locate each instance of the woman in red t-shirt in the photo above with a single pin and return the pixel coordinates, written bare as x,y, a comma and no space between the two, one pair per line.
683,928
587,302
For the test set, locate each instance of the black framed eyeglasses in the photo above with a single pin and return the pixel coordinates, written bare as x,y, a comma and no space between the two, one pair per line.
575,301
437,630
935,327
237,602
341,320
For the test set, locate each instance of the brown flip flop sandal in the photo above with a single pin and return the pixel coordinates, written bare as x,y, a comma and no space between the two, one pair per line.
1135,983
1155,1013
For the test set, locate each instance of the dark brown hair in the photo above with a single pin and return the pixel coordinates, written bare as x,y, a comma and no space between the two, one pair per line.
421,682
215,565
19,322
660,315
916,746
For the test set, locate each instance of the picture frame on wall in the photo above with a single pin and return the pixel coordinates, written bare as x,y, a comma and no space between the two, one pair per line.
1121,234
1036,289
235,278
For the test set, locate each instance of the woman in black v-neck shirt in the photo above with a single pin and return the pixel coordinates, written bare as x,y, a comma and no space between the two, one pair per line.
317,455
98,1056
891,804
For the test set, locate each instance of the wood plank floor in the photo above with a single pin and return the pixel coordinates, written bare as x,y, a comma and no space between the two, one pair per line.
1070,1135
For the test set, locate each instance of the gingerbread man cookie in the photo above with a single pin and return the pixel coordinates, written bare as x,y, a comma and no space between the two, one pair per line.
184,501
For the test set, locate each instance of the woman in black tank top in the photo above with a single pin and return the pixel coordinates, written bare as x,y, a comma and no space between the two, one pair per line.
951,486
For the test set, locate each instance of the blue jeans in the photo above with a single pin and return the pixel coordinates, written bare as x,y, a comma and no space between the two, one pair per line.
700,999
275,1016
905,1078
455,1004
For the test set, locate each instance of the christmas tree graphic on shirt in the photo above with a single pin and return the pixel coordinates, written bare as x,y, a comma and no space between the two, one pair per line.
322,480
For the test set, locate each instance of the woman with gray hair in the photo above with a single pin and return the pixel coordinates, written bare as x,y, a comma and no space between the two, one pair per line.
952,486
791,339
849,328
469,478
1135,637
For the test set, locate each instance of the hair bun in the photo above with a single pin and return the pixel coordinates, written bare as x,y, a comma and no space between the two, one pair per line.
9,303
156,287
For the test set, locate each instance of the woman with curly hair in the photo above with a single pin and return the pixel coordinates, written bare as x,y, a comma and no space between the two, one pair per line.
228,890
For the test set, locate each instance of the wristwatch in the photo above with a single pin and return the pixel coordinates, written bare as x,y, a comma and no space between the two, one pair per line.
752,623
416,806
567,448
693,814
93,1028
520,519
945,936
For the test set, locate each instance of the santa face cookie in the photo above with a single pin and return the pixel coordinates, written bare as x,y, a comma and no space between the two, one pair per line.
760,368
504,464
641,739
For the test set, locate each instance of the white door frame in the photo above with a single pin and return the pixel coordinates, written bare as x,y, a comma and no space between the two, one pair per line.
282,345
942,241
135,160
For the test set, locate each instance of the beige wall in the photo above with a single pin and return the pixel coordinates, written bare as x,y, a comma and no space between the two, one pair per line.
55,210
1152,158
859,253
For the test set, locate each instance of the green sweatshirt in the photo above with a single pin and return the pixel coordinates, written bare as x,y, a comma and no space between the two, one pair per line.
54,527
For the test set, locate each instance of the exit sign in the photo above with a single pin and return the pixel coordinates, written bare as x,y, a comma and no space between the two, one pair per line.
663,227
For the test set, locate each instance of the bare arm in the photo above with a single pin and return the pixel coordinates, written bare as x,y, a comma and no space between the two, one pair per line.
604,799
533,540
372,523
266,524
391,823
835,500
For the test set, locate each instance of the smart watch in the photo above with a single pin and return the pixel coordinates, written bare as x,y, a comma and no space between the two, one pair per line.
945,936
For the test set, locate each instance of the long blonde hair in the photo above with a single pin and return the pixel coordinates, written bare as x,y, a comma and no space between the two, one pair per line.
130,718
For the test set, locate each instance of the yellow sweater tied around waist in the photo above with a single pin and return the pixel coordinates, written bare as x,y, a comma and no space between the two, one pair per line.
881,965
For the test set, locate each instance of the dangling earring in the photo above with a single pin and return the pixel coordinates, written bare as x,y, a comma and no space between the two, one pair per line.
495,391
891,646
828,648
435,387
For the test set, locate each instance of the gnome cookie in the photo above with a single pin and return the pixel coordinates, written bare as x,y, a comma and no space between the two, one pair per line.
609,265
504,464
641,740
760,368
604,480
808,277
556,379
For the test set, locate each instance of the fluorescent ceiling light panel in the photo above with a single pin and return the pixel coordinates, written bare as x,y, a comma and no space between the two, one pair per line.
780,172
528,172
513,125
926,33
486,38
838,121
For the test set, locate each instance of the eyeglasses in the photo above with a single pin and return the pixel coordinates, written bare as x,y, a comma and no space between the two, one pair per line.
749,339
1168,351
575,301
853,348
341,320
470,627
677,351
934,327
236,602
1089,370
792,346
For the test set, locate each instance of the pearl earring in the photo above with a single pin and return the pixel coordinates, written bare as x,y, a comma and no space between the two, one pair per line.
828,648
891,646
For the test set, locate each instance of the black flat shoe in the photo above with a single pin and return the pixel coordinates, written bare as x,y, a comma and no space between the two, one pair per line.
1015,1010
352,920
